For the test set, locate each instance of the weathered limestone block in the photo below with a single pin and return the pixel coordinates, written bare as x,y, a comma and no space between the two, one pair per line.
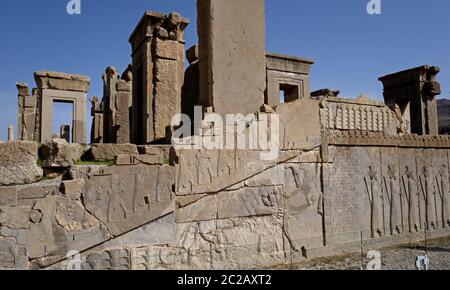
158,150
125,159
19,217
150,247
201,210
59,153
8,196
306,112
18,163
107,152
303,206
127,197
238,243
62,81
167,49
72,216
73,188
272,176
211,171
240,203
158,232
168,83
12,256
122,117
249,202
57,223
11,196
232,55
82,171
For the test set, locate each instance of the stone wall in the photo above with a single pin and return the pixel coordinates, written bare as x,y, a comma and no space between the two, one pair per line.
158,208
395,190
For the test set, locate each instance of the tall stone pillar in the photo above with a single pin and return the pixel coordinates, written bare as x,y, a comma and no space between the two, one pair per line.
10,134
232,54
116,105
122,119
64,132
97,120
158,73
110,79
27,113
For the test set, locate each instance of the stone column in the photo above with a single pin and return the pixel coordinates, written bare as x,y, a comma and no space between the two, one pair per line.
27,113
97,120
122,119
191,91
64,132
158,73
110,79
10,134
232,55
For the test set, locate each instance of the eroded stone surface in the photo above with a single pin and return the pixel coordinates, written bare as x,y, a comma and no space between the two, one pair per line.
108,152
232,55
18,163
59,153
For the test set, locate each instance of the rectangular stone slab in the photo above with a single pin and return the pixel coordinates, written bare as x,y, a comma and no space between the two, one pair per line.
232,54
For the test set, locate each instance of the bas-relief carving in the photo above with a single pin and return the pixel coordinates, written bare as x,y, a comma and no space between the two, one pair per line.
428,189
197,170
200,171
442,182
116,259
302,199
393,194
376,202
227,243
412,195
49,225
357,117
249,202
128,196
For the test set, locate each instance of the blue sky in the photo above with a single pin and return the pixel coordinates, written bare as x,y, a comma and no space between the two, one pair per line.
351,48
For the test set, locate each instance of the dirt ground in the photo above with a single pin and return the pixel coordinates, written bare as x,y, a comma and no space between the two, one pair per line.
393,258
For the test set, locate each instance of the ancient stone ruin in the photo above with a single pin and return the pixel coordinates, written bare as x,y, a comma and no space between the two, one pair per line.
345,169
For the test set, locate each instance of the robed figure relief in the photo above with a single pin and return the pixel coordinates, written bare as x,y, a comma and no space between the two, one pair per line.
443,191
412,196
394,197
429,195
376,203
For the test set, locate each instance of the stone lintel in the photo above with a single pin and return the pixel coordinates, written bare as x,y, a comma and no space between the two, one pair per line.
288,63
62,81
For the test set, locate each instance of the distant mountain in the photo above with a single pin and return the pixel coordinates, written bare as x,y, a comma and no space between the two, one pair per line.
444,116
